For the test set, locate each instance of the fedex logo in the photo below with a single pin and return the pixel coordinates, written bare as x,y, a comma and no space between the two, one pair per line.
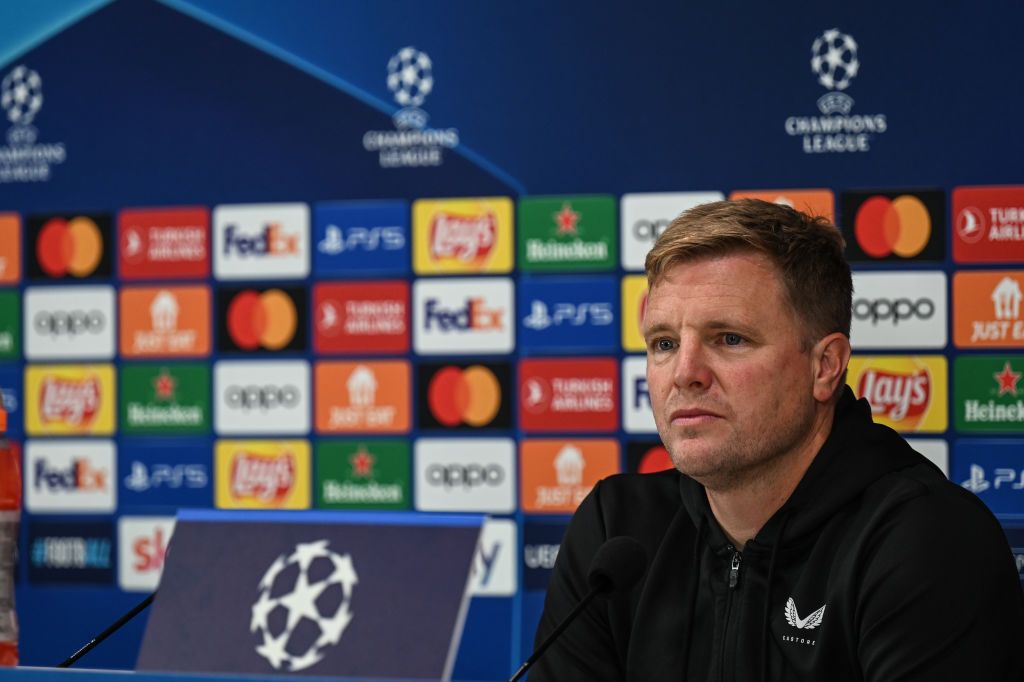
70,475
143,542
448,320
272,241
473,315
264,241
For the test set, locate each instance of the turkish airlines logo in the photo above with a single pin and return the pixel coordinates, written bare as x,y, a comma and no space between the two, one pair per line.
560,395
472,475
368,317
989,224
271,319
262,397
363,397
170,243
261,241
449,318
465,396
75,247
69,322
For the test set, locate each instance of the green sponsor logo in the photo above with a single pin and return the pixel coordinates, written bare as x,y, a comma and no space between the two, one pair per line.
567,233
357,474
988,393
171,398
10,325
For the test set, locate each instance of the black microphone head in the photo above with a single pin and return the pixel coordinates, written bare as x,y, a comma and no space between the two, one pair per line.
617,565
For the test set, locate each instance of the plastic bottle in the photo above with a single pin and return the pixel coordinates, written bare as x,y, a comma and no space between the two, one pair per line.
10,516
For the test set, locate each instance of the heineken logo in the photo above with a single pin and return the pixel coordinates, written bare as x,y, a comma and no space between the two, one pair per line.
988,394
162,399
567,233
359,475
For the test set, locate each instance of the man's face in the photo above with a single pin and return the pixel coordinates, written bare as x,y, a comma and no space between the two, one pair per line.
729,377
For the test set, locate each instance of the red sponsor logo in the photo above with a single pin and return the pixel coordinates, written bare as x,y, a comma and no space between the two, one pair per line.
267,478
368,317
69,401
569,395
988,224
896,395
467,238
171,243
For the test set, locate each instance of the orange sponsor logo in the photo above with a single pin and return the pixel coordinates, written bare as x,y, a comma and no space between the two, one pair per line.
10,248
557,474
813,202
262,320
987,309
69,247
165,321
362,397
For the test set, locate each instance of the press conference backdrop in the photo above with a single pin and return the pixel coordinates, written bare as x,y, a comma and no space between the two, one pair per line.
389,256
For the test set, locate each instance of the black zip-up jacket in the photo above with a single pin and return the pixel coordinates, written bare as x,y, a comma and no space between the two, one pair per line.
876,569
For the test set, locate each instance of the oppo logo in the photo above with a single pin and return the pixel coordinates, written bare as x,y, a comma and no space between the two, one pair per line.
649,230
884,309
262,397
59,323
465,475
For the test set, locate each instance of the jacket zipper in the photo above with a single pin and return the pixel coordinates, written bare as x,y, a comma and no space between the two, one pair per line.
734,580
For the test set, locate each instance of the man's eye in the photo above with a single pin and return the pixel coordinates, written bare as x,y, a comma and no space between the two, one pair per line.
663,344
732,339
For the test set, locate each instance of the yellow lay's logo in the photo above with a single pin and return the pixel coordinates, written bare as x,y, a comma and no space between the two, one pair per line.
462,235
69,399
634,297
907,393
262,474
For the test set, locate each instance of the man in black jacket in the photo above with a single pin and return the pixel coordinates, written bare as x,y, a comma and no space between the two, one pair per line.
795,539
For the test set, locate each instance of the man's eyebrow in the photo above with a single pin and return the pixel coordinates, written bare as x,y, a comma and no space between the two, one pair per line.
656,328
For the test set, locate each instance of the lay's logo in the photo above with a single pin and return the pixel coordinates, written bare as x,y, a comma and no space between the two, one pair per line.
462,235
69,399
467,238
907,393
262,474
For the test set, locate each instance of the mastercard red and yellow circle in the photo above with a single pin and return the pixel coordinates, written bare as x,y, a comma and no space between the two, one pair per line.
899,226
69,247
262,320
471,395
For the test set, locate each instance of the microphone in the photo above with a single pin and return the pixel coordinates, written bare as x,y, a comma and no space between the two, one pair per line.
617,565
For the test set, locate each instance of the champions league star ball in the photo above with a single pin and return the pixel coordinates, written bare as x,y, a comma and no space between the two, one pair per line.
304,606
21,95
409,76
834,59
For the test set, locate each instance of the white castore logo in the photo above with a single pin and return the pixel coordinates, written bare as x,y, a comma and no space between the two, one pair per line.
300,601
809,623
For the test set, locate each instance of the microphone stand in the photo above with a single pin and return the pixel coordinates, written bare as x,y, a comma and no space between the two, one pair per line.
106,633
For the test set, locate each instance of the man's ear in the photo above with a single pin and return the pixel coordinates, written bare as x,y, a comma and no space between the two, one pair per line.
830,356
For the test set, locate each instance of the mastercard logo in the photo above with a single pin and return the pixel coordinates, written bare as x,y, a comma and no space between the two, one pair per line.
470,396
900,226
262,320
69,247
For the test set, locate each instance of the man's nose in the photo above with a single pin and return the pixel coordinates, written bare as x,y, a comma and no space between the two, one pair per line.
691,369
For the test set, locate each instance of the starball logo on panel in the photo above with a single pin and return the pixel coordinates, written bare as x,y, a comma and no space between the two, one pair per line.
465,395
460,236
569,395
362,396
24,159
261,241
906,392
69,322
988,224
644,216
68,476
987,309
459,315
261,319
164,243
69,246
165,321
165,399
835,62
361,237
899,310
361,317
270,397
262,474
567,233
69,399
893,226
568,313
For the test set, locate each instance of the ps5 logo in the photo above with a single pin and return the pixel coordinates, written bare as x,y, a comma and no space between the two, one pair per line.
979,483
568,314
143,478
335,241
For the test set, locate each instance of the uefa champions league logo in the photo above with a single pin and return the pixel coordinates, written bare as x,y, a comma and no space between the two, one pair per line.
410,78
304,606
834,61
21,96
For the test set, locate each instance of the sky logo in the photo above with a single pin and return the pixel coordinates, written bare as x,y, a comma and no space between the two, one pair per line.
370,237
568,314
